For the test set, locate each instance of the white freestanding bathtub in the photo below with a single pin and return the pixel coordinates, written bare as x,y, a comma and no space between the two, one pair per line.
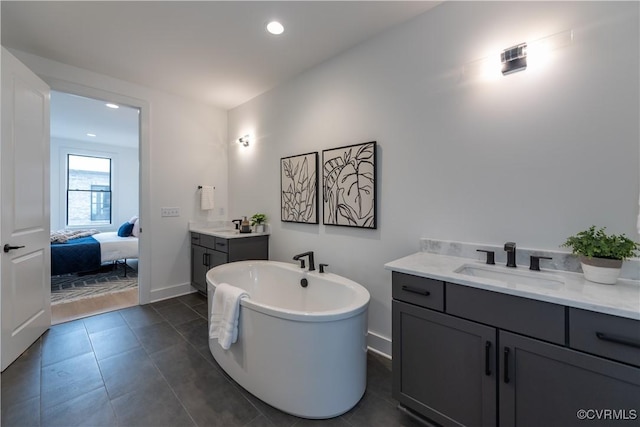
299,349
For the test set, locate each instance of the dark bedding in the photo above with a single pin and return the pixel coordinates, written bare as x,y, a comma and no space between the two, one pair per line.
75,256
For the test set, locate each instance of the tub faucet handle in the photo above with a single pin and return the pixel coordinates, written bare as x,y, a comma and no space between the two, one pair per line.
322,266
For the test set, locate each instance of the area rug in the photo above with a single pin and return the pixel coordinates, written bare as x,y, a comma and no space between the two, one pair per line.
72,287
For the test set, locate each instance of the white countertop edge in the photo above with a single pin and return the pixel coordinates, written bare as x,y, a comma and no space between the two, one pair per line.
624,292
224,233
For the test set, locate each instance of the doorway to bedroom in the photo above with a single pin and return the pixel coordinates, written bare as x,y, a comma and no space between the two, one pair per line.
95,147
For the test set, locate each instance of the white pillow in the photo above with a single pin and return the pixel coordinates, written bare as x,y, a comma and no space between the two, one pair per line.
136,228
133,219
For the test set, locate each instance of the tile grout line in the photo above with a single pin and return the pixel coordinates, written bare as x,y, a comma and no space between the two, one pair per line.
164,378
104,385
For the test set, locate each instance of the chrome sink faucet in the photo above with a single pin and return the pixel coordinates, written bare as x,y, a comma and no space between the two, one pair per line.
510,248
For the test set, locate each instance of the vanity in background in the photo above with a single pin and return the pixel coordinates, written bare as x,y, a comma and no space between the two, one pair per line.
476,352
210,248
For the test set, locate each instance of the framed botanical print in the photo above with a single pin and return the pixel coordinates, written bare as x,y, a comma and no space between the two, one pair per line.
349,186
299,188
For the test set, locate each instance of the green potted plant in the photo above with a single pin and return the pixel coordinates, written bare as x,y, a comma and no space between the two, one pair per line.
601,255
258,220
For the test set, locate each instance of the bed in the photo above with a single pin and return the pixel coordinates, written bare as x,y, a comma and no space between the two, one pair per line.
89,253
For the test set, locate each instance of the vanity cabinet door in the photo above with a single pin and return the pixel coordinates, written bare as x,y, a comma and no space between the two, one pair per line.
216,258
444,367
199,268
543,384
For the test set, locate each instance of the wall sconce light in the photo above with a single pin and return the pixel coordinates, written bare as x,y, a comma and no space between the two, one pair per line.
244,140
514,59
533,54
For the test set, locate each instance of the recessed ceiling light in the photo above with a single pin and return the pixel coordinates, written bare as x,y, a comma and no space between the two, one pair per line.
114,106
92,135
275,28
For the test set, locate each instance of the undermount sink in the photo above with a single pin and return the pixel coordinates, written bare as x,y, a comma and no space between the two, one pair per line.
231,231
510,276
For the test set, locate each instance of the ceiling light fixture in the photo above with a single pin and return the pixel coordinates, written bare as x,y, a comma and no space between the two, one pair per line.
92,135
114,106
275,28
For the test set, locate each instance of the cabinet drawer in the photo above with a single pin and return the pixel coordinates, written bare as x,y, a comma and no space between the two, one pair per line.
221,245
613,337
207,241
195,238
536,319
421,291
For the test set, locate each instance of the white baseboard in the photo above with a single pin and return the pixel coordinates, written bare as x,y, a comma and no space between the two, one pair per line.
379,344
171,292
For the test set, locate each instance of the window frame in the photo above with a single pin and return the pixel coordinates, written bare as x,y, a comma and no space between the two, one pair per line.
68,155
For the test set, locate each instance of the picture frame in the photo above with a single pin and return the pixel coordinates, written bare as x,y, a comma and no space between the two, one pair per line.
349,186
299,188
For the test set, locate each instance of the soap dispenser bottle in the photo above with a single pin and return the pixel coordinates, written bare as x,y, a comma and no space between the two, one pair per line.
245,225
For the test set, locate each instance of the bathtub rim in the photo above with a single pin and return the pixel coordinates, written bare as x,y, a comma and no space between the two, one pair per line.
361,304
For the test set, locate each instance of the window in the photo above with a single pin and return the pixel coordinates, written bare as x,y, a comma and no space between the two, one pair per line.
88,190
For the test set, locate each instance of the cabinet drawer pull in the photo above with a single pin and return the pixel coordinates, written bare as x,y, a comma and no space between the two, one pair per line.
415,290
618,339
221,244
487,358
204,259
506,365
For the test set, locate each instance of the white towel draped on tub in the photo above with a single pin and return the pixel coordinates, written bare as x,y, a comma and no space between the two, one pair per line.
225,312
206,198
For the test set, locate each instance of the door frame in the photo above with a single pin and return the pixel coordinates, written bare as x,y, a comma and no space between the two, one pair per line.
144,153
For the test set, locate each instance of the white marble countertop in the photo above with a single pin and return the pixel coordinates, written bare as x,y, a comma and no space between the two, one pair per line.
621,299
224,233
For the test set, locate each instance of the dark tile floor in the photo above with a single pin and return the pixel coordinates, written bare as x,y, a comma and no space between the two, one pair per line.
150,366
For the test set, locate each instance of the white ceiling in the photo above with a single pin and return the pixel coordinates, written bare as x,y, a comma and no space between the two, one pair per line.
73,117
217,52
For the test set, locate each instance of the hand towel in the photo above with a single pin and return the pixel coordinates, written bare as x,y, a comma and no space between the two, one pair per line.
225,312
206,198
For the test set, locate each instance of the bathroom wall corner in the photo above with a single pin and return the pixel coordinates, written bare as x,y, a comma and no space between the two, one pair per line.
379,344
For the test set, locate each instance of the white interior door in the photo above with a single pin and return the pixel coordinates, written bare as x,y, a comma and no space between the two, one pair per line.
25,268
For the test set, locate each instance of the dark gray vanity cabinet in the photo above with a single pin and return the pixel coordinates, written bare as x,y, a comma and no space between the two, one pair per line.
443,367
210,251
471,357
543,384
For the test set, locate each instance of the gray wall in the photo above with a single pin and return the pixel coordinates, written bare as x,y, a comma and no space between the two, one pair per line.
532,157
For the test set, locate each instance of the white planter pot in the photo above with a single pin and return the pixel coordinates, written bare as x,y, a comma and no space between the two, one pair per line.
260,228
601,270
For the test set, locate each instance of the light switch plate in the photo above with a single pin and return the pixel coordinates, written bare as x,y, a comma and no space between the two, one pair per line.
169,212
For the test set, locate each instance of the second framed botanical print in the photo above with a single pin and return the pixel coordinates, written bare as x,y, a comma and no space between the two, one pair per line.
349,186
